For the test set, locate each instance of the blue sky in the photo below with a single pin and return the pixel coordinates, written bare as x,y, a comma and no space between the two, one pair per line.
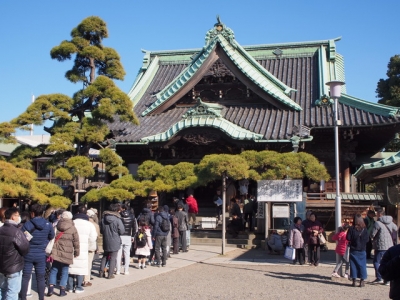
29,29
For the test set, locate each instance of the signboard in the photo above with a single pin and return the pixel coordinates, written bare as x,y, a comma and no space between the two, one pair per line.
260,210
280,211
279,190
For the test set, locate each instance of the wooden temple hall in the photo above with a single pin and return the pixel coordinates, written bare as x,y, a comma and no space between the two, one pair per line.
227,98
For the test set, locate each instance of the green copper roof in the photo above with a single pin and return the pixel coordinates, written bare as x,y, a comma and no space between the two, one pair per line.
238,55
232,130
383,163
143,79
375,108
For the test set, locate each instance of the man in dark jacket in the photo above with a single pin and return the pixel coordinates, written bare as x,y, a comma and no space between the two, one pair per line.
130,225
183,226
13,247
390,270
112,228
146,216
42,232
160,237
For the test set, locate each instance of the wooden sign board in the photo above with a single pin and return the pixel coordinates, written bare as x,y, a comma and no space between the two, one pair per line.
280,190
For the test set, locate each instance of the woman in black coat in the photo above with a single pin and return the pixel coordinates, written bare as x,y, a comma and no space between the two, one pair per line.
358,237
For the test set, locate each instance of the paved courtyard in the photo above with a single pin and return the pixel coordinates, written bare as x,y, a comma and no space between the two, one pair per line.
203,273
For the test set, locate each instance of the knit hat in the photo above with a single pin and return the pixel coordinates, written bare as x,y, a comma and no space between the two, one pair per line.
66,215
94,210
90,213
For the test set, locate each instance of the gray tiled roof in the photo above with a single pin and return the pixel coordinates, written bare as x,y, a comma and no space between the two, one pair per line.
298,72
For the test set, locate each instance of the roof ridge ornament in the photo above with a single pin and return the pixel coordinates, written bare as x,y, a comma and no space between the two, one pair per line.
219,29
203,109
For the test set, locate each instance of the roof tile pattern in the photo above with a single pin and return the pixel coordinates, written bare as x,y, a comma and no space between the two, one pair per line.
298,72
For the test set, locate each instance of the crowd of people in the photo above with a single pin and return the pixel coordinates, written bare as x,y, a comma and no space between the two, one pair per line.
61,247
377,229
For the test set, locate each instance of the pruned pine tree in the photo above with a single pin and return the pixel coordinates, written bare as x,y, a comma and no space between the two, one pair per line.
80,123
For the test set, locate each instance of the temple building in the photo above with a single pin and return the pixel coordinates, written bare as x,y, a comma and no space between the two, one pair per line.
227,98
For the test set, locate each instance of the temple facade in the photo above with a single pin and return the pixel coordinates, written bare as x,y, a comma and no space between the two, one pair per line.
227,98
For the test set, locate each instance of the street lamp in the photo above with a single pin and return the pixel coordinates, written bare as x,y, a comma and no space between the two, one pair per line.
336,89
335,92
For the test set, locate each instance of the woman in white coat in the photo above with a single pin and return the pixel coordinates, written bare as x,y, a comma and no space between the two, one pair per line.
87,239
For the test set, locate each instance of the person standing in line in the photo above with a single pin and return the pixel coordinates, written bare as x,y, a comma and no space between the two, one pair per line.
87,241
169,238
357,235
341,248
111,228
40,231
182,227
14,246
235,208
296,240
369,223
313,228
143,249
160,237
174,231
130,225
389,269
86,278
65,248
306,236
193,209
382,238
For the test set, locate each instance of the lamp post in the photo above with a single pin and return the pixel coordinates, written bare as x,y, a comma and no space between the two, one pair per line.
335,92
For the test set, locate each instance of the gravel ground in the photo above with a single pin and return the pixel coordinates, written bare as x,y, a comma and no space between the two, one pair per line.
235,281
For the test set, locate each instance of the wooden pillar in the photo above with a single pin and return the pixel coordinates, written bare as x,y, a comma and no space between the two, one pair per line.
346,178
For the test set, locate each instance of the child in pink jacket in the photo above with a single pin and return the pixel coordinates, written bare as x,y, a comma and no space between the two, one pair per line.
341,247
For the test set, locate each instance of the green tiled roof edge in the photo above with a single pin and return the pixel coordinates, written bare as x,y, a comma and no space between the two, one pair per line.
181,79
392,160
379,109
224,125
143,81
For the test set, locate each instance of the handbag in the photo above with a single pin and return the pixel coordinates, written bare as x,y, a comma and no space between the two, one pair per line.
290,253
51,244
321,239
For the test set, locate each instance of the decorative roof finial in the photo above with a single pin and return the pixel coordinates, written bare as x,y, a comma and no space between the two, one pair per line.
219,28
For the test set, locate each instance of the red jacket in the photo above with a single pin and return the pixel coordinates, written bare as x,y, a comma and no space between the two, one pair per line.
192,204
342,242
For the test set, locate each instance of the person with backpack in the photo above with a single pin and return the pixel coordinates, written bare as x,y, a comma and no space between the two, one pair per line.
161,228
382,239
143,243
182,227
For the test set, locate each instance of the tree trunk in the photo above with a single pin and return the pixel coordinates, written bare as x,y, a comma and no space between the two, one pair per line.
92,70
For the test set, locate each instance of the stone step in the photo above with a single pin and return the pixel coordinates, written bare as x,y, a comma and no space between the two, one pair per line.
241,243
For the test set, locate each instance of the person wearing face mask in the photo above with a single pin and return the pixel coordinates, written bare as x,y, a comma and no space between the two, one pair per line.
14,246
